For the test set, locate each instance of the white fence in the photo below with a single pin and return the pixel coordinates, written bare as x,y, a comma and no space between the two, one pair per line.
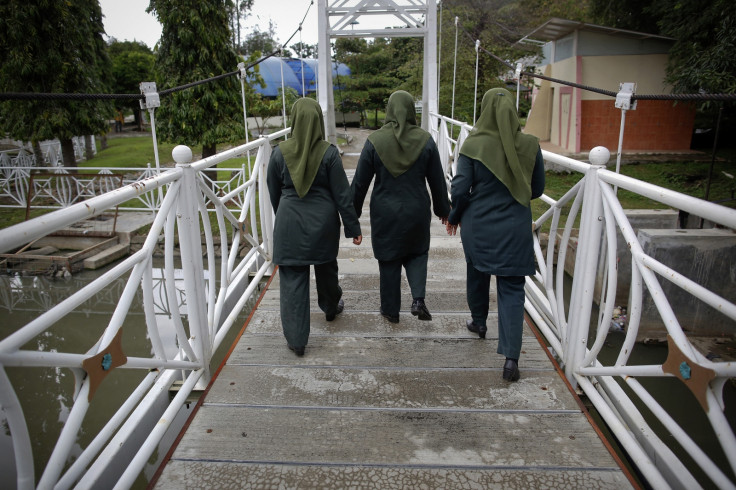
51,151
615,389
182,216
50,192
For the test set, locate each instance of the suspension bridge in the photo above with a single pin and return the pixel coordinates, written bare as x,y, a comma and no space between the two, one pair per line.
373,404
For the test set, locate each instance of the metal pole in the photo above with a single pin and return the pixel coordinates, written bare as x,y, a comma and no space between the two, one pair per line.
518,84
301,59
151,102
712,159
620,146
283,90
439,58
713,154
454,74
475,91
624,102
241,67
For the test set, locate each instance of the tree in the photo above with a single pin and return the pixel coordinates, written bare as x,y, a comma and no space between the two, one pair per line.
704,31
132,63
262,41
263,108
237,10
57,47
195,45
702,57
303,50
633,15
372,77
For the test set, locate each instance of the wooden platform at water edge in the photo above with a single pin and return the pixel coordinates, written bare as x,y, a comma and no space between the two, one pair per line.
379,405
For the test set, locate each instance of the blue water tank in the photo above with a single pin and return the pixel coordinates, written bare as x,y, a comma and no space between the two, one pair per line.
299,67
270,71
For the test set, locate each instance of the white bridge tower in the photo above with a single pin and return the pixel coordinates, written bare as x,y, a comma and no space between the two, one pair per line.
359,18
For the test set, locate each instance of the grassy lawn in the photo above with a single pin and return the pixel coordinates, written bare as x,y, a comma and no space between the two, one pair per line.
135,151
687,177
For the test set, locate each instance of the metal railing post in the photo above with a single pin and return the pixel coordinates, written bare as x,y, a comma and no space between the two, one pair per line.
151,102
264,200
187,218
454,74
242,76
475,90
586,265
519,67
623,101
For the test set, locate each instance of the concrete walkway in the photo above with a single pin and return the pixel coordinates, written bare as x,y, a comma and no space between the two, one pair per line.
380,405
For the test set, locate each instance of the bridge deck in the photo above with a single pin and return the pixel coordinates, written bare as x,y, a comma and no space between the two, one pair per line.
380,405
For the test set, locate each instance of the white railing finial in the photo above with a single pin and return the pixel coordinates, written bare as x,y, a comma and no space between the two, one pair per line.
182,154
599,156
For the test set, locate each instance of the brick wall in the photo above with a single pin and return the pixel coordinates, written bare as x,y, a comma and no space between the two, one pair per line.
655,125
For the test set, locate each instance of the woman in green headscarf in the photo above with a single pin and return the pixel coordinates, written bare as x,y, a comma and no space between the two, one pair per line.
308,189
499,170
403,158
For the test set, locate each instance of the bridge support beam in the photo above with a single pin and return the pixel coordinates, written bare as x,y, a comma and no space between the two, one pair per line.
416,18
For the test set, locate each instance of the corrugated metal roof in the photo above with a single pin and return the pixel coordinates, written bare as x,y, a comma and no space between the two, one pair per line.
557,28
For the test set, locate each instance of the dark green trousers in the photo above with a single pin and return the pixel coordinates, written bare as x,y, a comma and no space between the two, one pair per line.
390,271
510,296
294,287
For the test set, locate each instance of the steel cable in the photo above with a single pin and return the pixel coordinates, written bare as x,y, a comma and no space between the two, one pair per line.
682,97
609,93
80,96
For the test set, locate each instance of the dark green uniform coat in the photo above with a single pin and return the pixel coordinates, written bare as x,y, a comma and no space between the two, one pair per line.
496,230
307,230
400,206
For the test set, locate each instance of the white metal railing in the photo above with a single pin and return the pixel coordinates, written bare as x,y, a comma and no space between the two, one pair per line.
51,151
50,192
615,389
184,215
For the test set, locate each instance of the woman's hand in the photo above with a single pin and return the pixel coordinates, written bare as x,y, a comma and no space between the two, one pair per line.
443,219
452,229
358,240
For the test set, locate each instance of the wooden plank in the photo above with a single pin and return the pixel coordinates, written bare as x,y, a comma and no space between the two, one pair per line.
236,476
393,437
371,324
437,302
458,389
388,352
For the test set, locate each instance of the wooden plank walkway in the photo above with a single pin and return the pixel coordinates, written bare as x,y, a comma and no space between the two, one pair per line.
380,405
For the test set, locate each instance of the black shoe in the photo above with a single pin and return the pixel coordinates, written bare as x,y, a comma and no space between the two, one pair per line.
479,329
419,310
391,318
511,370
299,351
340,308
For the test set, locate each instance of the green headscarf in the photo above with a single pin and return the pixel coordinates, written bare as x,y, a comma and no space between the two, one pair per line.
306,146
497,141
400,141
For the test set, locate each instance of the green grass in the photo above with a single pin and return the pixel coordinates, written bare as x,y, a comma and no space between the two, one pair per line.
686,177
136,151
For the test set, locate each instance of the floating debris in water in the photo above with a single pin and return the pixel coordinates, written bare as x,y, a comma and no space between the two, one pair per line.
618,320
